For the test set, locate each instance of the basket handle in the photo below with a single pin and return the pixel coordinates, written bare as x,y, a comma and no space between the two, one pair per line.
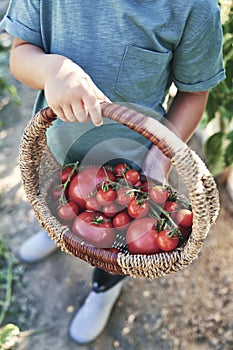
128,117
170,144
200,183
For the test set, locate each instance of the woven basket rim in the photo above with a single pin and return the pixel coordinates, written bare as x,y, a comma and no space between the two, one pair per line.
200,183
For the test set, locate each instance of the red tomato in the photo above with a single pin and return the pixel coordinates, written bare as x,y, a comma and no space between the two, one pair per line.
147,185
132,176
120,169
77,193
111,210
121,221
184,217
95,229
185,231
106,197
166,241
92,204
86,216
68,211
107,174
138,184
138,208
159,194
85,182
124,195
172,208
141,236
65,173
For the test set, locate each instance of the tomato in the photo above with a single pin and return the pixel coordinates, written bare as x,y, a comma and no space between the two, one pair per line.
132,176
111,210
124,195
138,208
86,216
78,194
85,182
68,211
147,185
95,229
184,217
167,241
121,221
171,207
185,231
141,236
105,197
92,204
120,169
66,173
138,184
106,174
159,194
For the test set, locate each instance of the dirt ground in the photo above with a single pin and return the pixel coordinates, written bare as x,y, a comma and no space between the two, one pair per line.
191,309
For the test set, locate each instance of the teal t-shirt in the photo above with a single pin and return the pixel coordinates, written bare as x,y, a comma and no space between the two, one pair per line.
133,50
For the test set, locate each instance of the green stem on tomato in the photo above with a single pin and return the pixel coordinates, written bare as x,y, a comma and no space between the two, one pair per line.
165,213
172,225
62,199
174,228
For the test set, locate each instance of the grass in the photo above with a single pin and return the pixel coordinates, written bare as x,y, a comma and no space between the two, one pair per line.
10,271
12,295
8,274
8,92
6,279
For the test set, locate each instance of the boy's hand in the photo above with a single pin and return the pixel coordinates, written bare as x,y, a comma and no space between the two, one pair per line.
71,93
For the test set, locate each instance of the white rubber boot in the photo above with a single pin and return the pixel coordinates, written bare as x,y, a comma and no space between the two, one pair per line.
92,317
37,247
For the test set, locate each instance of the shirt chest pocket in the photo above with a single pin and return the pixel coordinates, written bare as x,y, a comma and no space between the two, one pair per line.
143,74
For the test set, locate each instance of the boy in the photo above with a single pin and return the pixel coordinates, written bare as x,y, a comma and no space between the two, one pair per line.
78,54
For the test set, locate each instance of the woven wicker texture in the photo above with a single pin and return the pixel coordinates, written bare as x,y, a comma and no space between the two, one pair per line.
38,167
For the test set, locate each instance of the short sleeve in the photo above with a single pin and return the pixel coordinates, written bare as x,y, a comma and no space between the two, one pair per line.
197,63
22,20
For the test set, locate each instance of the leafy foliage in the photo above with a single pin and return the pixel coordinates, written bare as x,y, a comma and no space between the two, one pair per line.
218,118
6,279
8,336
8,91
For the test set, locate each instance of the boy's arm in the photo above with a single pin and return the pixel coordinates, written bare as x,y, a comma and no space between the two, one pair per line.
69,91
186,112
182,118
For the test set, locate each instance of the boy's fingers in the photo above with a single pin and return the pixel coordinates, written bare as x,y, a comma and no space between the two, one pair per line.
70,115
80,113
60,113
92,106
91,101
95,115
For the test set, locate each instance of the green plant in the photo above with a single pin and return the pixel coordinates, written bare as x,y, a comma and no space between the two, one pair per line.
8,332
218,119
11,275
6,279
8,91
8,336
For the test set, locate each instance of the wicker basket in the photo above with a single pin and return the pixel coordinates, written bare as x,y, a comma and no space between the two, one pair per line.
34,155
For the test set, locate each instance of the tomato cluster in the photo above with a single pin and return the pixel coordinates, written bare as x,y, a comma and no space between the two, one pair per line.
120,209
